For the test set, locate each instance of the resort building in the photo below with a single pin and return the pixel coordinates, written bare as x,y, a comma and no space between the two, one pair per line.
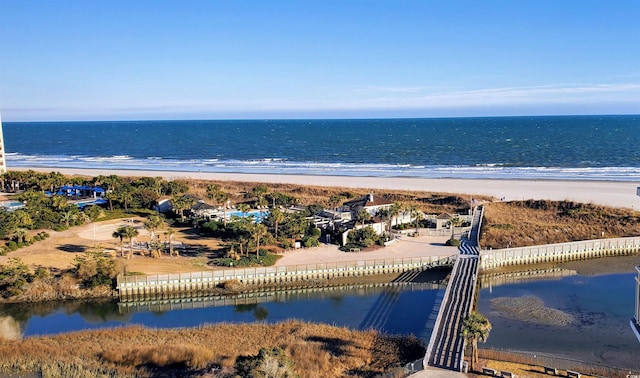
3,164
635,322
372,204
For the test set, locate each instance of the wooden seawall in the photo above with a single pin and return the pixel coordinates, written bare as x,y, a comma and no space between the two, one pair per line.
582,250
130,287
263,296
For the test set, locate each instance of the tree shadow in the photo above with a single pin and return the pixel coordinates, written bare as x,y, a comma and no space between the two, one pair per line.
336,347
74,248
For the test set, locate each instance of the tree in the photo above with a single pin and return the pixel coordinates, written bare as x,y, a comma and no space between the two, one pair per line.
383,214
169,235
362,216
394,211
94,269
453,223
130,232
153,223
335,200
258,230
417,214
59,202
20,235
68,215
244,209
259,192
475,328
14,276
120,233
276,216
180,204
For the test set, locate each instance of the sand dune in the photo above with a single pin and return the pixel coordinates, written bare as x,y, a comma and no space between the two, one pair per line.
609,193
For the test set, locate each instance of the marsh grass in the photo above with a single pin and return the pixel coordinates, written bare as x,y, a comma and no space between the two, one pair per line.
316,350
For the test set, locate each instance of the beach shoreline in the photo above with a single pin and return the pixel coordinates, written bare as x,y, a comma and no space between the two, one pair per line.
607,193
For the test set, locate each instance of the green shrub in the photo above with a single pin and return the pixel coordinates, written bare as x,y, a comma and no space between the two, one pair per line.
12,245
453,242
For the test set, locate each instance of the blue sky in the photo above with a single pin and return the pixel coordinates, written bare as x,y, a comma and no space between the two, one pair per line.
103,60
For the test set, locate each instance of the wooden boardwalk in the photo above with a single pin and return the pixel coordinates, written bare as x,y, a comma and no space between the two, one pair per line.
446,346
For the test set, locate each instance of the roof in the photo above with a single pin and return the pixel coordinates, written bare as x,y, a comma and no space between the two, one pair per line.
202,206
444,216
368,200
82,187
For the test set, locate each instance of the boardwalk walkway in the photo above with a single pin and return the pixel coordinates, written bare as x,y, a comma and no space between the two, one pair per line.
446,346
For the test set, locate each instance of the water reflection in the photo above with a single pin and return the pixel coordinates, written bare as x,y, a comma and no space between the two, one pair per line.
390,307
599,305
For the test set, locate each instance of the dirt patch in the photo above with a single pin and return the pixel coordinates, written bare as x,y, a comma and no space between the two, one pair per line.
58,251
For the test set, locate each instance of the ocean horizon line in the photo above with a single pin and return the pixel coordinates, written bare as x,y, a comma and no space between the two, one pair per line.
278,119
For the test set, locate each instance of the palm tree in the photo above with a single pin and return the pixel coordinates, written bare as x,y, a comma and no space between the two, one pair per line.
260,192
363,216
120,233
153,223
334,201
276,216
59,202
212,190
258,230
20,235
169,234
475,328
394,211
244,209
222,198
383,214
130,232
417,214
68,216
180,204
453,223
22,218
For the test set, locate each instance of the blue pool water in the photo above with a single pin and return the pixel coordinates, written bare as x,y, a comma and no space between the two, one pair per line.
11,205
258,215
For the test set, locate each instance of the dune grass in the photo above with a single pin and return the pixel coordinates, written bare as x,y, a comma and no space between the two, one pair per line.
536,222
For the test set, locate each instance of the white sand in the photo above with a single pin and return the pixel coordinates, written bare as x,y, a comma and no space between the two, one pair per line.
609,193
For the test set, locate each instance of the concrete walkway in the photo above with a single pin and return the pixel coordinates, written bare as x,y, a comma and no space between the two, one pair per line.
432,372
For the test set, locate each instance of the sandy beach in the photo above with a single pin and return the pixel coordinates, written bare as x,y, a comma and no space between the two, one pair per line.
608,193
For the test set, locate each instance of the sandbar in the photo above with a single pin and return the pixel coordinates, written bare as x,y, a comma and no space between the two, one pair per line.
607,193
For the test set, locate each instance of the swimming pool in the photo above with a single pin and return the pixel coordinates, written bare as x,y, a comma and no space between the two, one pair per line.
258,215
11,205
96,201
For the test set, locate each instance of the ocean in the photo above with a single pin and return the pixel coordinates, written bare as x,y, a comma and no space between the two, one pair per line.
540,147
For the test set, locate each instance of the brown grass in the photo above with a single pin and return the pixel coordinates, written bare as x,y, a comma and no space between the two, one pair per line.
433,203
536,222
318,350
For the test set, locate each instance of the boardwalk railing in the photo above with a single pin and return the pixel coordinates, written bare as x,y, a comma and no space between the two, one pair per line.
204,280
581,250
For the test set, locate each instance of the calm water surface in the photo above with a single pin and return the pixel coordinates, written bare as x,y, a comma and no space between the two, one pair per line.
600,305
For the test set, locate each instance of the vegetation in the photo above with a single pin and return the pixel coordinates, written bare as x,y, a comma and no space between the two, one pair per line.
536,222
292,348
475,327
95,269
362,238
